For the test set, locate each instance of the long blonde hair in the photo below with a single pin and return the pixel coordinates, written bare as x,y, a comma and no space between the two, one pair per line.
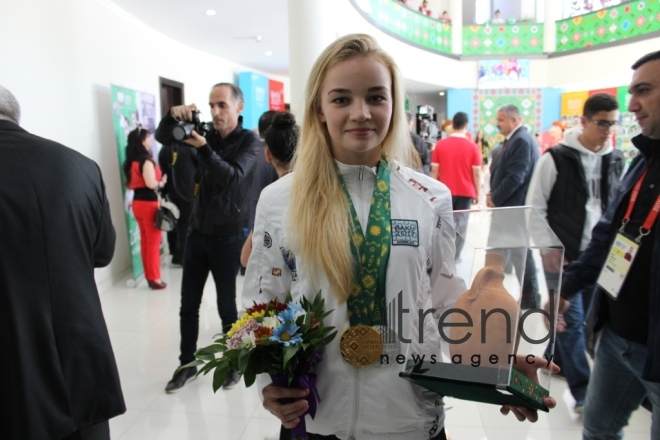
318,226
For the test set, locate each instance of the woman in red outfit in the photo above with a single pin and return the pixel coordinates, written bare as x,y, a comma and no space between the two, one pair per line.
144,177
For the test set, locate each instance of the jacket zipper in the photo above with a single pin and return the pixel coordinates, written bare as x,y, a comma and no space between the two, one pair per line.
356,410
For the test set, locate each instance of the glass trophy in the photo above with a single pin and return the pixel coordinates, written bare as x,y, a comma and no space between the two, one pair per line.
505,320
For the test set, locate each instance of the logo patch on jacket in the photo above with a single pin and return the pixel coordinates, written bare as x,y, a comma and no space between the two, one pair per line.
268,242
405,233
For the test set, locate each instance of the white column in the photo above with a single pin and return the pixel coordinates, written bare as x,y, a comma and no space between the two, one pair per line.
309,33
456,13
550,27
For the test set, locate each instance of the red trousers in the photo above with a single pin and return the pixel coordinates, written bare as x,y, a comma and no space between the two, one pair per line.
150,237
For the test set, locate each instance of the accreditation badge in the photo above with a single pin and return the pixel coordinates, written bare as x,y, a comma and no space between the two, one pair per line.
618,263
361,345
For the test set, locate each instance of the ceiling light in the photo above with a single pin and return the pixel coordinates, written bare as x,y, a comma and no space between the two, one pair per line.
441,93
269,53
210,12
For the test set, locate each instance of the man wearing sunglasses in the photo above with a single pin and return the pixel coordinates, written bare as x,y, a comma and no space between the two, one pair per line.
571,187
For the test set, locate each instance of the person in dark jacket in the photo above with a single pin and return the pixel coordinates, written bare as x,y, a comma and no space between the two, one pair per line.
571,187
420,147
627,359
226,160
510,174
181,169
59,375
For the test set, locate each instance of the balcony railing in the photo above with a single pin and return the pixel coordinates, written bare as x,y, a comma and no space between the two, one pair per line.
406,24
616,23
627,20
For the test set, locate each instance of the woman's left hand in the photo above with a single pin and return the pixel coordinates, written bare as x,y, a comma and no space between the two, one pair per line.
530,370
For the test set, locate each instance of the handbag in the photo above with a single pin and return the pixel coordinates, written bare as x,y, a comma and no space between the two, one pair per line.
167,216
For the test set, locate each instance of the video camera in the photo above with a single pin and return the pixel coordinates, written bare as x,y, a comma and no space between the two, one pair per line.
183,130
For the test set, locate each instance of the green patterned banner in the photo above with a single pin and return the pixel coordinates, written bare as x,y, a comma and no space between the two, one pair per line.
486,102
406,24
503,39
616,23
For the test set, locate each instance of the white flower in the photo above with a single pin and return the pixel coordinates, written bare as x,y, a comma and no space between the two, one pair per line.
248,340
271,322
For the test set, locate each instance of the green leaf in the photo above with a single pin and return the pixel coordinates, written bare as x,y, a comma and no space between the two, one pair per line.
249,379
211,349
243,360
289,352
220,376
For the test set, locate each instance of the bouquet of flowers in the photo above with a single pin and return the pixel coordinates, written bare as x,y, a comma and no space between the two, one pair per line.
281,339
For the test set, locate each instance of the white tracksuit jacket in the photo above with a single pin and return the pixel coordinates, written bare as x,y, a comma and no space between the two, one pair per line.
373,402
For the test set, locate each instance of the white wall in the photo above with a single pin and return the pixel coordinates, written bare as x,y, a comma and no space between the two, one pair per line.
59,59
599,68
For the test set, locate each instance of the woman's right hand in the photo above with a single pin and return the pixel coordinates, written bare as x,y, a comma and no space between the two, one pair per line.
183,112
288,413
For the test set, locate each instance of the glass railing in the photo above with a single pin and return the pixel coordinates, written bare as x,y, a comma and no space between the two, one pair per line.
503,39
616,23
406,24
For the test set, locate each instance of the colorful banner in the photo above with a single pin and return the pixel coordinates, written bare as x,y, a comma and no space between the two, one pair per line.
407,24
255,94
131,109
276,96
503,39
486,102
610,90
573,103
627,20
503,73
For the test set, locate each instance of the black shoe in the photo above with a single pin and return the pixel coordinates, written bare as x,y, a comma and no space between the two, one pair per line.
180,379
232,380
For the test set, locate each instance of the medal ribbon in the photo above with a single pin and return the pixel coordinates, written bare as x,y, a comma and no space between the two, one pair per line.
371,252
650,219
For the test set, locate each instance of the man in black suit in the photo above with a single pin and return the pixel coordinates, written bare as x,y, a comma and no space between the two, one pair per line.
59,376
510,174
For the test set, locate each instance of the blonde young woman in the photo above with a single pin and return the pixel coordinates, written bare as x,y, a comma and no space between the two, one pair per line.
355,148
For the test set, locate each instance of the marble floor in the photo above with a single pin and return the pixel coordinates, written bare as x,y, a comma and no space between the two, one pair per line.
144,328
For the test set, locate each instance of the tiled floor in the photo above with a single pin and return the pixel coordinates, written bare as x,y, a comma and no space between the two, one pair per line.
143,326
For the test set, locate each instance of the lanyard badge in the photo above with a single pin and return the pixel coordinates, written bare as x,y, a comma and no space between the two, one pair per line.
625,247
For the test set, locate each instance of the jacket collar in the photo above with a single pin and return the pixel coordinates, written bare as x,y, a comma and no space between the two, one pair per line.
233,136
9,125
648,147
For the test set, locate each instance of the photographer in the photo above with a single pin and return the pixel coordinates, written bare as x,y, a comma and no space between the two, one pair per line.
226,157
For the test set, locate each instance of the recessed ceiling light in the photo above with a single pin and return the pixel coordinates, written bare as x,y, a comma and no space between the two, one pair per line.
441,93
269,53
210,12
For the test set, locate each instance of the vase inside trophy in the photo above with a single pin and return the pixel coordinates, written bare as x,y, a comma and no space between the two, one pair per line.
494,315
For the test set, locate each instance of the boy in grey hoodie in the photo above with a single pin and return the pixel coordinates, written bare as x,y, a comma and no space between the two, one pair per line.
571,187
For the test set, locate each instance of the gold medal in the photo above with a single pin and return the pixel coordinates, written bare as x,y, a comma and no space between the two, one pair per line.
361,345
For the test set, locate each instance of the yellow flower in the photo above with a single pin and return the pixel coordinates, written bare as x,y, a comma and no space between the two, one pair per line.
238,324
258,314
374,230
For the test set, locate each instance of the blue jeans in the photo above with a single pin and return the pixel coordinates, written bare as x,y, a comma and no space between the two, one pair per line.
570,345
220,256
616,388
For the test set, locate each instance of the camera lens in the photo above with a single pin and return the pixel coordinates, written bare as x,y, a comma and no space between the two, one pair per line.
182,131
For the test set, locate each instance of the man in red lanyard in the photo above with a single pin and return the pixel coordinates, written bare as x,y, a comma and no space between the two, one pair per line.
626,300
